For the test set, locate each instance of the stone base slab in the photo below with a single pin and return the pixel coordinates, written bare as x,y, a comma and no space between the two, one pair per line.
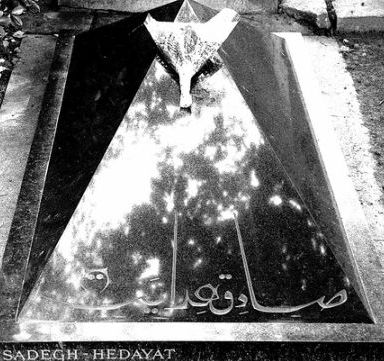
313,11
18,114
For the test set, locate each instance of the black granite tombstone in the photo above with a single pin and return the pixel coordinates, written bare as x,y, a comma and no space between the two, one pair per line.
149,212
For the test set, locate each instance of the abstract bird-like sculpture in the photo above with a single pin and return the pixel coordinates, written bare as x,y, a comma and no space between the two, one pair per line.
187,46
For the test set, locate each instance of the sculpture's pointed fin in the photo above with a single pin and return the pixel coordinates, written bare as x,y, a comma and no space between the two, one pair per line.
225,16
158,29
220,26
149,21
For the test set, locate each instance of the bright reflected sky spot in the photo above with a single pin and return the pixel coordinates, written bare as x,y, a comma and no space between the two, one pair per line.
207,220
155,102
74,280
185,134
169,202
244,198
171,109
139,109
126,230
136,257
276,200
152,270
226,213
295,205
323,250
197,263
193,187
22,335
229,164
67,268
303,284
160,73
210,152
254,180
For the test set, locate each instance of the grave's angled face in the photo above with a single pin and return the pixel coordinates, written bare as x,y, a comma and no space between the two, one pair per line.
155,213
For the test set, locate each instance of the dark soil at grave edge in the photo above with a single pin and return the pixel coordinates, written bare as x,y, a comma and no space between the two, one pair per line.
365,62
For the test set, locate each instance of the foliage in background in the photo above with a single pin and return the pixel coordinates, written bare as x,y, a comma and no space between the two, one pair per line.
11,33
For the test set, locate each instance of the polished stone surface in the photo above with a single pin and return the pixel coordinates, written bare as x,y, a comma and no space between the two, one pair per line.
182,209
191,216
268,83
98,92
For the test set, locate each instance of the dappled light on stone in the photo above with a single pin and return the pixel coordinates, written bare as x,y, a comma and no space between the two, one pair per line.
191,216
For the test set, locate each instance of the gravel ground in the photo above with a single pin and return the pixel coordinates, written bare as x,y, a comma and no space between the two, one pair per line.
364,56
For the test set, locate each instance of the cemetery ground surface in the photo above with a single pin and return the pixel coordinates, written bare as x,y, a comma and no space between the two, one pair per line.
348,66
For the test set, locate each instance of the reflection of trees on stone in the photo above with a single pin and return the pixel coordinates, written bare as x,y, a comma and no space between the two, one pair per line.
204,167
285,240
207,183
